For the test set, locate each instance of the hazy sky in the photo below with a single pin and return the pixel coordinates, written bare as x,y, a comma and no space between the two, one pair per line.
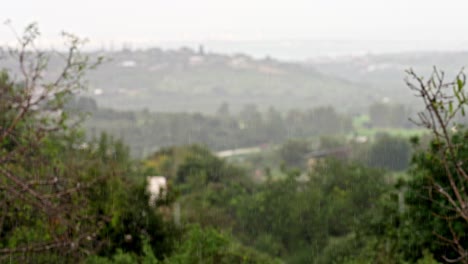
420,22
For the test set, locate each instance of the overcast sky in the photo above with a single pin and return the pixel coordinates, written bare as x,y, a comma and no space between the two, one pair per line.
429,23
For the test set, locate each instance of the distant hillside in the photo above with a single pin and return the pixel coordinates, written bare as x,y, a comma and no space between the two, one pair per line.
194,81
385,73
186,80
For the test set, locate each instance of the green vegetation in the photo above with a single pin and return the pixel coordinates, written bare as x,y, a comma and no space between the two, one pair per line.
321,196
147,132
364,127
186,80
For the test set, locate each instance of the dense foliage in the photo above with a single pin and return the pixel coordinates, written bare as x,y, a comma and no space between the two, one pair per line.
69,197
147,132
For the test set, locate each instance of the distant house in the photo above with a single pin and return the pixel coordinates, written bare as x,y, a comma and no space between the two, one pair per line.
128,64
196,60
240,62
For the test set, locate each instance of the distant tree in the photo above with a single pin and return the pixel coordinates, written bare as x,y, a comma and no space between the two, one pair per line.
330,142
389,152
388,115
250,115
317,121
293,153
275,127
252,125
81,104
223,110
325,120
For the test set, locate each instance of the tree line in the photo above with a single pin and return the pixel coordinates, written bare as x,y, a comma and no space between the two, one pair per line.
147,132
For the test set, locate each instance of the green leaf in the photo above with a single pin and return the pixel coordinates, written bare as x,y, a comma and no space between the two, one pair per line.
460,84
451,107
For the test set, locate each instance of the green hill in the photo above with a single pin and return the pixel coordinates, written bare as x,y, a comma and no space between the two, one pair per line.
185,80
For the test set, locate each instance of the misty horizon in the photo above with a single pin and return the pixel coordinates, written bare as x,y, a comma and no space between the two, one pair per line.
286,50
294,30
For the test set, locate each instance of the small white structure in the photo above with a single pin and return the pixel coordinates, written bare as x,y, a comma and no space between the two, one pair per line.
196,60
236,152
98,91
157,188
128,64
361,139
